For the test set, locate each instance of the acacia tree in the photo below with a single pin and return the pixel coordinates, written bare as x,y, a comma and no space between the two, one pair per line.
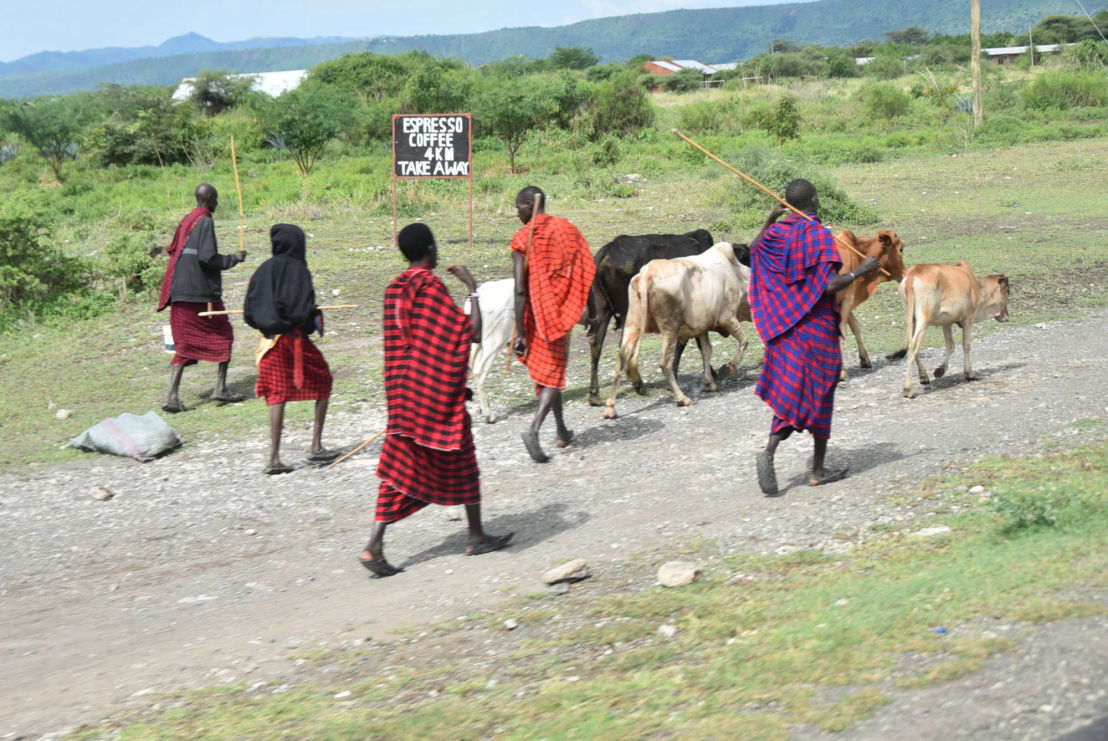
303,120
509,108
51,126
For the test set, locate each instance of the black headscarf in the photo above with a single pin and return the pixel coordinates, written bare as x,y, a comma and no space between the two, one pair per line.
280,297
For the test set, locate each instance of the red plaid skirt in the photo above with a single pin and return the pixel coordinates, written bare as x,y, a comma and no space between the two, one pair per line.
196,337
546,361
413,476
275,372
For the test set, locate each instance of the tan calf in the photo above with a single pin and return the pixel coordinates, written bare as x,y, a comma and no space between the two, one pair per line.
684,298
944,295
886,247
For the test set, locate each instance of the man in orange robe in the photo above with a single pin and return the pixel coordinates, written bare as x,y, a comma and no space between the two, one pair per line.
553,270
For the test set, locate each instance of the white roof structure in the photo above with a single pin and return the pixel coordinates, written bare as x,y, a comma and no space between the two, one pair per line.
270,83
677,65
1005,50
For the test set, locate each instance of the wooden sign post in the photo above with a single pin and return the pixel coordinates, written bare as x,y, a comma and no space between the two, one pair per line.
432,145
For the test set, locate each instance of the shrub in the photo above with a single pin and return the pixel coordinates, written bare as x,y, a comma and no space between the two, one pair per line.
884,100
885,68
1065,89
33,272
785,123
619,106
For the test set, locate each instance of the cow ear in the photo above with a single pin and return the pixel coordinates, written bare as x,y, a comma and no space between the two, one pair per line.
885,238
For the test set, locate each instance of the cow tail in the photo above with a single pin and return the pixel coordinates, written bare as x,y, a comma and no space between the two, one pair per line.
644,315
909,322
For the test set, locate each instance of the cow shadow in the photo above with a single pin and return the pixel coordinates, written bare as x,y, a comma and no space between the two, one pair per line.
955,376
531,528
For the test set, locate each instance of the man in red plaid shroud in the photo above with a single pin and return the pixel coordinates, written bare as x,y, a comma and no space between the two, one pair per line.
193,284
553,271
794,278
429,456
280,303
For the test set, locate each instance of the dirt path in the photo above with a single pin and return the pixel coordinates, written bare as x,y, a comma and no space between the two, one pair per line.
202,571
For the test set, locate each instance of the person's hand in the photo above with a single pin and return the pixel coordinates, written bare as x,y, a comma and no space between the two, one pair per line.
520,348
777,211
241,256
461,272
867,266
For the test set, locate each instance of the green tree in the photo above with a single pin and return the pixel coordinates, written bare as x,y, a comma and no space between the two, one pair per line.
785,123
572,57
32,271
509,108
685,81
442,87
214,91
620,106
370,76
911,35
303,120
52,126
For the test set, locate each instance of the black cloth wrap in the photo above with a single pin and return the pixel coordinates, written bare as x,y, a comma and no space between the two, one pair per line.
280,297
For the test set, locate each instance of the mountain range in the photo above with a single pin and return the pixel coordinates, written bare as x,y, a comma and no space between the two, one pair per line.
709,35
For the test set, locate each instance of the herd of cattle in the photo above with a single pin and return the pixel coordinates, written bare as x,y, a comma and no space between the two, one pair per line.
685,286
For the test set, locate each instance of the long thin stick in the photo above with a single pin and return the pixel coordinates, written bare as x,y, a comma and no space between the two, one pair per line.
239,311
355,450
783,202
536,202
238,187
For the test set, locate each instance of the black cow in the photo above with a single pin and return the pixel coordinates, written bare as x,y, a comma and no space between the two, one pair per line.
619,261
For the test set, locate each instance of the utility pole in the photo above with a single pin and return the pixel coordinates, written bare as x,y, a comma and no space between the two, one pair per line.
975,62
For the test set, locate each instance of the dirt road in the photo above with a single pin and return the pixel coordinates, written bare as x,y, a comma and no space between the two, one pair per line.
201,571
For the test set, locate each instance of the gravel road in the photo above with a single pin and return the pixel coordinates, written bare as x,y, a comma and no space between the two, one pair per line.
199,570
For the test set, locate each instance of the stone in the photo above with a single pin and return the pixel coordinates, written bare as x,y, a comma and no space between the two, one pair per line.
667,631
559,588
574,570
63,414
511,624
677,573
102,493
931,532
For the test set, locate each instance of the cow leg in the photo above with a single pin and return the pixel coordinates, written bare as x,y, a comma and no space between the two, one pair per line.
948,339
627,347
632,365
856,330
669,346
596,345
706,355
482,361
970,375
735,330
914,343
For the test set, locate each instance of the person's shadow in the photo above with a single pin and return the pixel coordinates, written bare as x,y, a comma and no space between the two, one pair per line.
859,459
530,528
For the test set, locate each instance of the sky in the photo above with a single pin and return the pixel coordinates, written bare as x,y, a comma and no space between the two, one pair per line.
72,25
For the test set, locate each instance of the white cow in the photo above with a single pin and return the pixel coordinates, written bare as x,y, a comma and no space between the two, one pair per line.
497,301
683,298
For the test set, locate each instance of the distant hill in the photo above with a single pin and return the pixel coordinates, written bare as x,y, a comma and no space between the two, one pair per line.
712,35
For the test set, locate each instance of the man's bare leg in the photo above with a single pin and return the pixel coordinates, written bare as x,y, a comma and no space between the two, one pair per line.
276,424
373,557
173,400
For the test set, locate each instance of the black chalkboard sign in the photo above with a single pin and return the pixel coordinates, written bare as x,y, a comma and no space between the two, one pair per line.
432,145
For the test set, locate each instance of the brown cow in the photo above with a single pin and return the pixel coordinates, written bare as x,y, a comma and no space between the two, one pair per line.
683,298
945,295
888,248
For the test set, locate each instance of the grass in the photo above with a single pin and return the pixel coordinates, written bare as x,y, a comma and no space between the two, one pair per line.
763,645
945,209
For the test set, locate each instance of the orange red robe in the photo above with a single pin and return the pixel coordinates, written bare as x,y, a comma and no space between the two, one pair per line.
560,271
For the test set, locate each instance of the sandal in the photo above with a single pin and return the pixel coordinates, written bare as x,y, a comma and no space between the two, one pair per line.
278,469
837,474
323,455
175,408
380,567
531,441
767,476
229,398
489,544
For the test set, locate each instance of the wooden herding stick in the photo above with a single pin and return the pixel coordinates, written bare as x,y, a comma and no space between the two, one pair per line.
783,202
355,450
242,211
239,311
535,204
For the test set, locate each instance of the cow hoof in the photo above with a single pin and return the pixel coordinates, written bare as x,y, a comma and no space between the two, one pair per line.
940,371
971,377
685,402
865,363
610,413
490,419
640,389
925,381
596,401
711,387
909,394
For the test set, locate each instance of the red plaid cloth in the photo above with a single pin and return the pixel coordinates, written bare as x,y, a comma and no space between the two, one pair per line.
196,337
429,456
277,372
560,271
413,476
785,276
180,239
801,367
